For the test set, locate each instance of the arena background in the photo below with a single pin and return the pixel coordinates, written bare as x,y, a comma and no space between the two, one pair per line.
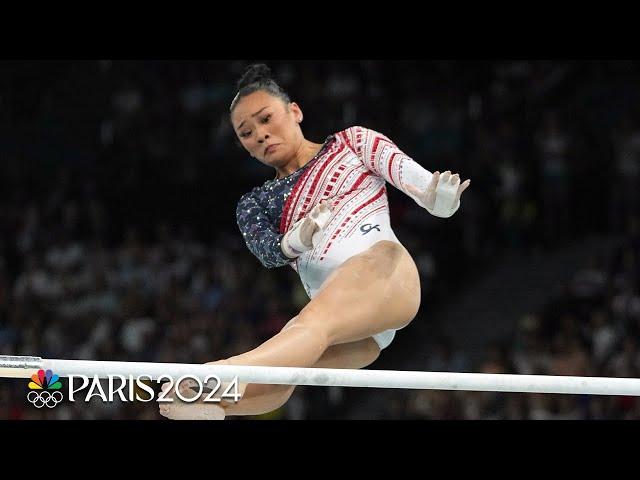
118,186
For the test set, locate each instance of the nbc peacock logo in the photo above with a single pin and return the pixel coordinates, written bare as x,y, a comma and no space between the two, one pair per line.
45,389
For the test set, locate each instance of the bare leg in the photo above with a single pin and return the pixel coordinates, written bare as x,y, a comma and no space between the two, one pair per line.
261,398
373,291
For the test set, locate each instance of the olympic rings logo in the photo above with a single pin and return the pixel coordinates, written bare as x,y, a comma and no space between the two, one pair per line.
40,399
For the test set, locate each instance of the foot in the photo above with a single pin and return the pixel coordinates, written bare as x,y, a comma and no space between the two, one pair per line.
179,410
198,410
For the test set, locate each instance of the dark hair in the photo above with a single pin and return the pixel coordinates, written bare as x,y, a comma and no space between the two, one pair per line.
258,77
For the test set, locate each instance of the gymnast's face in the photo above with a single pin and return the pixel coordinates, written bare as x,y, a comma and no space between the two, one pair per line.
268,128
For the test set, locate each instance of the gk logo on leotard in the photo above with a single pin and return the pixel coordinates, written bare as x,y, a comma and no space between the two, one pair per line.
367,227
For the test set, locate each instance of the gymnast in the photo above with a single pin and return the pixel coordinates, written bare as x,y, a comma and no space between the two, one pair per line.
326,215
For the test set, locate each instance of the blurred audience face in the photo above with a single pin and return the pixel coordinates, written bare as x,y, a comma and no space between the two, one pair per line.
268,128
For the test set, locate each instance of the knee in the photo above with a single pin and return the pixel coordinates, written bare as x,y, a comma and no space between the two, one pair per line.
309,322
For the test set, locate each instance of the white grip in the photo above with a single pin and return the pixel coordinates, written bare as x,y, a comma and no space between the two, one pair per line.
299,239
321,217
445,196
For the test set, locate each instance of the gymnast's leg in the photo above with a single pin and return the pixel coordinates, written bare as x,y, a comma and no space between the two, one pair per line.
373,291
262,398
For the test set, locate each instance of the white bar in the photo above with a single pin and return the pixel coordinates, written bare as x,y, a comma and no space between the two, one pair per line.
24,367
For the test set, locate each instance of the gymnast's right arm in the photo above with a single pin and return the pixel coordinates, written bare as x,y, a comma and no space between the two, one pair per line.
272,248
258,233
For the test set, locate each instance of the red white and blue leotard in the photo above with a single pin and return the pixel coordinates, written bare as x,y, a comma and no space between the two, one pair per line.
350,171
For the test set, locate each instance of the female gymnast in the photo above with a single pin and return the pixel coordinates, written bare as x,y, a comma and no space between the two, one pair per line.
326,215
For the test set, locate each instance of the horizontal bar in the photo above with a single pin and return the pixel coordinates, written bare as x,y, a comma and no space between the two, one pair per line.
24,367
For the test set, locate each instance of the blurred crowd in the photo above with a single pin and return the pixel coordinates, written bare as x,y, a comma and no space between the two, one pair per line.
118,184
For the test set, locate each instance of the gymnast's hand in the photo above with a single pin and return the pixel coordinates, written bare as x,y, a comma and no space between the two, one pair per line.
442,196
306,232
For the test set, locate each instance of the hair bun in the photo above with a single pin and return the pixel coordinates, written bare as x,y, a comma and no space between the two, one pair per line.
255,73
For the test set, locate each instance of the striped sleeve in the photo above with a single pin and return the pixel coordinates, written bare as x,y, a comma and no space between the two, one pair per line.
382,157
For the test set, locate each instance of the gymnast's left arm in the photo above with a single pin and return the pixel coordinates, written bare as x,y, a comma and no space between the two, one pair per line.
438,193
